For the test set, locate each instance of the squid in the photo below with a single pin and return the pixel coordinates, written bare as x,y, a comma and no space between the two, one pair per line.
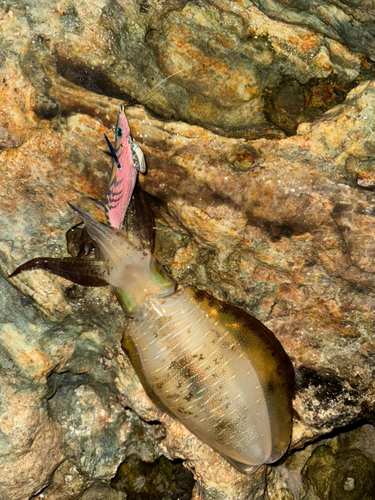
210,365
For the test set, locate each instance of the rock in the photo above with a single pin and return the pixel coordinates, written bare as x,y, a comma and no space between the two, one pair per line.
341,467
279,226
294,229
30,439
355,19
103,492
221,65
346,473
160,479
66,483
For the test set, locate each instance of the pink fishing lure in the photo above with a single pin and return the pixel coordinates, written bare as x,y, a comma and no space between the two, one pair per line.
127,160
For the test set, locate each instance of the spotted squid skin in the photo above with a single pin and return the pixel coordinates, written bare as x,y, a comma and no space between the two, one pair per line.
217,370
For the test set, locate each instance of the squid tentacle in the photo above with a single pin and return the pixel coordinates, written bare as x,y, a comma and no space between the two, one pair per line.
81,271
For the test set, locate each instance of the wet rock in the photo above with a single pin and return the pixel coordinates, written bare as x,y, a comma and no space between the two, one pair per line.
355,20
248,246
161,479
363,170
282,227
342,475
103,492
30,439
341,467
209,64
66,483
244,228
291,103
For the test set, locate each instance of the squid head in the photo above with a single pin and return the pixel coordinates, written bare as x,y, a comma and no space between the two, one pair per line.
124,258
131,268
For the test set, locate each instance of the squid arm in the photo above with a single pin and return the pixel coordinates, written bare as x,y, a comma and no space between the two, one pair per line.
128,206
82,271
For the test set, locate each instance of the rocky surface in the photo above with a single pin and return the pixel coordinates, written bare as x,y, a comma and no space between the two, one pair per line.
290,240
224,65
280,226
339,468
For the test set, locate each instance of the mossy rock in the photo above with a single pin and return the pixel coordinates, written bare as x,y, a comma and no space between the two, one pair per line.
347,475
160,480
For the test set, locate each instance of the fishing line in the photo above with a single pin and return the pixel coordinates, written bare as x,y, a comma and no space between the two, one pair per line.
144,99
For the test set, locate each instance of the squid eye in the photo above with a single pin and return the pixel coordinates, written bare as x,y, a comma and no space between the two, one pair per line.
119,131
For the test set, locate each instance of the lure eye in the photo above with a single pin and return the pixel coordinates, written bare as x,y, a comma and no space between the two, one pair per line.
119,131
